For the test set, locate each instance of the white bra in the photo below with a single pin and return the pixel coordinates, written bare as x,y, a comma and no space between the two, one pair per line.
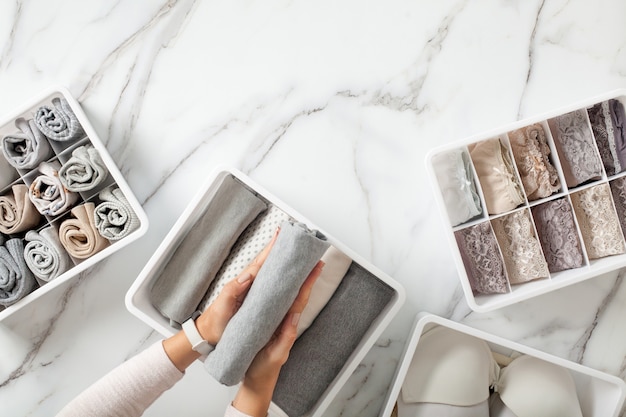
458,370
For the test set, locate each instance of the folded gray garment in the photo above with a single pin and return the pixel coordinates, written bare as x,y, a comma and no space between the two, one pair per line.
294,254
48,193
45,255
115,218
84,171
27,149
59,123
16,280
320,353
179,288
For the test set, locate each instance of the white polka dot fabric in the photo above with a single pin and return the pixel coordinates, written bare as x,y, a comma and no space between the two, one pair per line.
250,243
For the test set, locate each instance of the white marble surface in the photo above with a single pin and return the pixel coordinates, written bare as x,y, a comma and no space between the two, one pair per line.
332,107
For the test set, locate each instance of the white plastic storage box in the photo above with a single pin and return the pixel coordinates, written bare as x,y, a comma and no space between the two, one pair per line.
60,151
599,394
536,205
138,297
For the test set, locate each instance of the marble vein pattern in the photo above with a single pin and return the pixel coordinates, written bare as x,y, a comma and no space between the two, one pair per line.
332,106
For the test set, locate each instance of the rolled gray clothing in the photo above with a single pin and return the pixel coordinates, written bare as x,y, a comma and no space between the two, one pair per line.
320,353
115,218
45,255
179,288
294,254
84,171
59,122
27,149
16,280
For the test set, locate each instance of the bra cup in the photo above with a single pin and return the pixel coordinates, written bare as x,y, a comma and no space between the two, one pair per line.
442,410
497,408
450,367
531,387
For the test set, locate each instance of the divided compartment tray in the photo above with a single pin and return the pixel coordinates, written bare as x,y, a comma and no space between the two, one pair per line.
61,152
460,217
138,296
599,394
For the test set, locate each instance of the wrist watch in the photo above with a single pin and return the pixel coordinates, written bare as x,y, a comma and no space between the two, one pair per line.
198,344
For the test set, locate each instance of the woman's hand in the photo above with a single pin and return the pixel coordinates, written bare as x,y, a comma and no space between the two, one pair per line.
255,393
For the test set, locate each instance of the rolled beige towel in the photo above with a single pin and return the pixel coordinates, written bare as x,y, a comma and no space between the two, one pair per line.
17,212
79,235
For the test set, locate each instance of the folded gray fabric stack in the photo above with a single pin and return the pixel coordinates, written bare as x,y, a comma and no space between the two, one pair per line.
16,280
320,353
27,149
84,171
59,122
294,254
186,277
48,193
44,254
115,218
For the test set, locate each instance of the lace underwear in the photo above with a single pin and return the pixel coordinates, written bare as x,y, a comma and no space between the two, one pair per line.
607,124
576,147
520,248
532,157
497,176
558,235
598,222
618,189
456,182
482,259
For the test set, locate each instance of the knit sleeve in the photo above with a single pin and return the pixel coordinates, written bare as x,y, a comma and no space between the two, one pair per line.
129,389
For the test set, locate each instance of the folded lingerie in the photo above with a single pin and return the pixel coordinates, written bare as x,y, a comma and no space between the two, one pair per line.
574,142
79,234
45,255
27,149
558,235
608,123
48,193
532,158
496,175
618,190
115,218
16,280
453,369
457,184
598,221
17,212
58,122
84,171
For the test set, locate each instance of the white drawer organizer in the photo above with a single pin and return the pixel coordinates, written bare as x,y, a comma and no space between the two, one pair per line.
590,265
599,394
138,296
10,176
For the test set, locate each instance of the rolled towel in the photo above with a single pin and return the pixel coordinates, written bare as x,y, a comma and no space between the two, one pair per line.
58,123
45,255
16,280
294,254
79,235
184,280
84,171
27,149
115,217
17,212
48,193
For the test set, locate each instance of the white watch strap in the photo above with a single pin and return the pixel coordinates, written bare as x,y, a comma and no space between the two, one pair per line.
197,342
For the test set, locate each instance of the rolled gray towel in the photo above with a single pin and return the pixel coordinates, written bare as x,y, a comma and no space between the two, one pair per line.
16,280
27,149
48,193
59,122
294,254
186,277
84,171
115,218
45,255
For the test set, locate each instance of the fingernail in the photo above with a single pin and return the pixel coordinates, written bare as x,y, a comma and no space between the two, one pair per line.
244,278
295,318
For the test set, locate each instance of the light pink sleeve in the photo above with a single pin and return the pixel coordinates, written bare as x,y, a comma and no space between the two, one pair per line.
129,389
